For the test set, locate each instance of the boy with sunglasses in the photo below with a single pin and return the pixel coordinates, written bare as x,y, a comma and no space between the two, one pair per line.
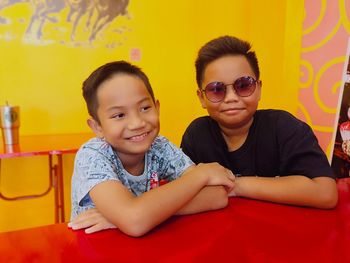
274,156
118,172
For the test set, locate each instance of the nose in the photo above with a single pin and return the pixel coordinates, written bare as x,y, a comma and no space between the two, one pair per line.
136,122
230,94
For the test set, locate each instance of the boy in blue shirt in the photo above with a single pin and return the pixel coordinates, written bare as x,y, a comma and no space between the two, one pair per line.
115,171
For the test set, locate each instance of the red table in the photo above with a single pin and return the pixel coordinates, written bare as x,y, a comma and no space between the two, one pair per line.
245,231
53,146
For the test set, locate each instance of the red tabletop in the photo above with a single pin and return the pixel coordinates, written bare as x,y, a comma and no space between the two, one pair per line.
45,145
245,231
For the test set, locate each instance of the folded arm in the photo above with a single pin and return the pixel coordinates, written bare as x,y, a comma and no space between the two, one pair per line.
319,192
137,215
208,198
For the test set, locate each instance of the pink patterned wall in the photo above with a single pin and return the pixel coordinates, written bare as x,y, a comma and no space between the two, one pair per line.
326,30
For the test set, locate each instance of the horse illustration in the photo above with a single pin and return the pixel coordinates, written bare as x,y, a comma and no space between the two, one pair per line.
79,8
100,13
42,11
107,11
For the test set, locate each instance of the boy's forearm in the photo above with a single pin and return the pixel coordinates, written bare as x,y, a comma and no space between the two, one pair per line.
209,198
320,192
137,215
177,194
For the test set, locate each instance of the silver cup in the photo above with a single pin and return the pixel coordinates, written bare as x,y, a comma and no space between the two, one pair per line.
9,116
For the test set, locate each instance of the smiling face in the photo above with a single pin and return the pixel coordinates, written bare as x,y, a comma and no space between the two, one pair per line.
233,112
128,117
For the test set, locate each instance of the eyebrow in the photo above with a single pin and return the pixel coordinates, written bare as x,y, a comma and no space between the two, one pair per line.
121,107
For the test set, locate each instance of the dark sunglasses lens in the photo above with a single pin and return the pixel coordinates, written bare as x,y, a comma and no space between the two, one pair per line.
215,91
244,86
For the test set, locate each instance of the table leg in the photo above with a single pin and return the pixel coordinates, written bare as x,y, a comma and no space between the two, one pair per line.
53,175
59,169
57,175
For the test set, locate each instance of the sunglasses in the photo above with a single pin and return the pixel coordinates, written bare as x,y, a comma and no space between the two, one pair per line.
243,87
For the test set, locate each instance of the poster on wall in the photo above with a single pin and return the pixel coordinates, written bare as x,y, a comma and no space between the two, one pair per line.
341,148
67,22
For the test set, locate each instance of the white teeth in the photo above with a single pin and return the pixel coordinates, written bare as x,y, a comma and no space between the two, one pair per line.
138,137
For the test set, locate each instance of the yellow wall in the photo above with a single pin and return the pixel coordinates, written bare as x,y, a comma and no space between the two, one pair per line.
45,80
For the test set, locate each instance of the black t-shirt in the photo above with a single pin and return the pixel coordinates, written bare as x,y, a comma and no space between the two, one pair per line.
278,144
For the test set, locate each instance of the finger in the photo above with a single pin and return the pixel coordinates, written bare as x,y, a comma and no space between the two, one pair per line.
98,227
232,193
231,175
93,229
87,217
229,184
232,187
75,225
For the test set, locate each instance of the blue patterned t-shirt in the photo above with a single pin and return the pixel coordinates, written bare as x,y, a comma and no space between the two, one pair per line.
96,162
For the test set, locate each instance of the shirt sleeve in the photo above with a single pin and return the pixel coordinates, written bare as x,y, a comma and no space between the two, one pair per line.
187,144
92,167
299,150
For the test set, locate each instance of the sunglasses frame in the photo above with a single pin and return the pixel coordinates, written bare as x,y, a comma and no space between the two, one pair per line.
253,81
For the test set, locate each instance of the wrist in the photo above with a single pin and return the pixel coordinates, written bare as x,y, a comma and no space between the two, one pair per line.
196,176
202,174
238,183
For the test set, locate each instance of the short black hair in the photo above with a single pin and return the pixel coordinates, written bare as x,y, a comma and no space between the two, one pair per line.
105,72
224,46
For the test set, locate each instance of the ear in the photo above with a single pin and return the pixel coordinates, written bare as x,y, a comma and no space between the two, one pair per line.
201,99
157,104
259,89
95,127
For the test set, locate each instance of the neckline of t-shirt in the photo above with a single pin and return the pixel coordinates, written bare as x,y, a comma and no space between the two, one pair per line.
134,177
245,146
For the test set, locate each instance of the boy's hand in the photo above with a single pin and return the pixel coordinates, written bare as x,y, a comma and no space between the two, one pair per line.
217,175
232,193
92,220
